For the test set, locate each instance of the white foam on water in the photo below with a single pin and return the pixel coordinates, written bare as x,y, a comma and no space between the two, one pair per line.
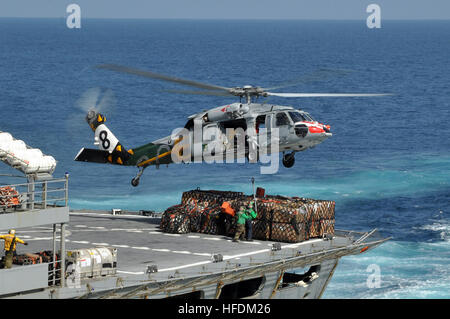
442,228
407,269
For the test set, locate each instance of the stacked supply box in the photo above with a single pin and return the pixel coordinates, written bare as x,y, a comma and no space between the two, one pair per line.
280,218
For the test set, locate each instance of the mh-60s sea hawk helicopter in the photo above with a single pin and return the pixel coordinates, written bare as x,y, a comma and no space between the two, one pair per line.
297,130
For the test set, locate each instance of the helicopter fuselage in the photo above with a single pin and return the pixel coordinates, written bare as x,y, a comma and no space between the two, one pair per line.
216,133
297,131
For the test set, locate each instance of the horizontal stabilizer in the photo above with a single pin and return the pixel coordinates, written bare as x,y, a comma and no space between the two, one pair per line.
92,155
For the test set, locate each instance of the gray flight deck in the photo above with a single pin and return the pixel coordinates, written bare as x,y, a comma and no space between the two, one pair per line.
184,262
140,242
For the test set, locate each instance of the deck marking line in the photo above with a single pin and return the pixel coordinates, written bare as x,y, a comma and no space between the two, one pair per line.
109,215
80,242
181,252
130,272
186,266
233,256
41,238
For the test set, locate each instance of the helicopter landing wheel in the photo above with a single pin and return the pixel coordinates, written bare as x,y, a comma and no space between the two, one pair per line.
252,157
252,153
288,160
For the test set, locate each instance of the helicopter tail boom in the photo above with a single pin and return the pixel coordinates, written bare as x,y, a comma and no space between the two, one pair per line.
110,149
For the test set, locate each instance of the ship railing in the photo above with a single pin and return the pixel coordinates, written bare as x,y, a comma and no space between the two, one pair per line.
32,195
54,273
359,236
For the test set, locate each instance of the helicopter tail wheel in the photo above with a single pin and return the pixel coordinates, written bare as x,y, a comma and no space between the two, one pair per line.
135,180
289,160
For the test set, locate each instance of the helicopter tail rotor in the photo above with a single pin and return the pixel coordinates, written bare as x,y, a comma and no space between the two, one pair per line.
97,99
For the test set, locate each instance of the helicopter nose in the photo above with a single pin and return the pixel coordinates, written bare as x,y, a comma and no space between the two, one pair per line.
319,130
319,134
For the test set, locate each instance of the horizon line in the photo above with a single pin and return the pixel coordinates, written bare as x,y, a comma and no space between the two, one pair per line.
232,19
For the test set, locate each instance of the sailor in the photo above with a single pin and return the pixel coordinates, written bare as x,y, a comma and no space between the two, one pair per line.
225,218
10,246
248,222
240,227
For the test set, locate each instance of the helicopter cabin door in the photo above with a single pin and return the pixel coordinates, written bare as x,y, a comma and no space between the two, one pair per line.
263,124
210,143
281,121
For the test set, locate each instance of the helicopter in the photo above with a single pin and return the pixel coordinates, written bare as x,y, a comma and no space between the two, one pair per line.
296,129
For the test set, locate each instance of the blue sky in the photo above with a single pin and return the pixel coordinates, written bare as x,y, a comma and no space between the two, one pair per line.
229,9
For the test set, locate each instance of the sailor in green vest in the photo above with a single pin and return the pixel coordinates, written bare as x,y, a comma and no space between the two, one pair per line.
244,216
248,222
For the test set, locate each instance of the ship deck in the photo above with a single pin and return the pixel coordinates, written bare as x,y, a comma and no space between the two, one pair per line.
140,242
181,259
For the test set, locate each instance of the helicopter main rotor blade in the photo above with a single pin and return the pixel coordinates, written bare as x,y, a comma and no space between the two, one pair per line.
213,93
326,94
152,75
319,75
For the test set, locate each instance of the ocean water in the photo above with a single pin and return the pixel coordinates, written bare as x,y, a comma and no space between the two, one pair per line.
387,165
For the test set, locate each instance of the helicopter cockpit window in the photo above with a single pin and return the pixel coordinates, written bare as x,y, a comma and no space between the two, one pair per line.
297,117
282,119
308,117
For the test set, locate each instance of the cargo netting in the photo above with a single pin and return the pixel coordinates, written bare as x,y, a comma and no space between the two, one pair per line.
9,197
280,218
